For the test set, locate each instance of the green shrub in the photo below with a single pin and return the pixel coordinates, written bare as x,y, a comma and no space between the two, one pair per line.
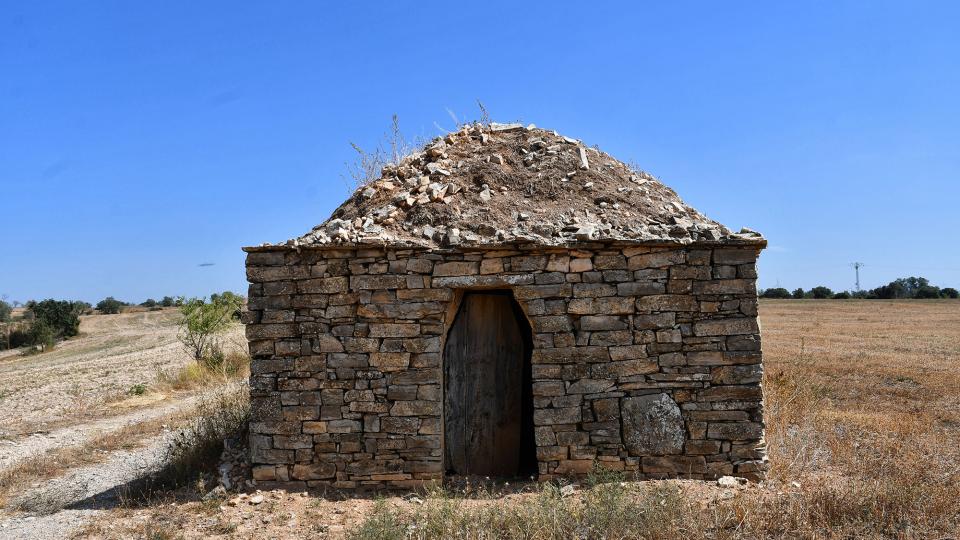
777,292
821,292
42,334
19,337
203,322
60,316
109,306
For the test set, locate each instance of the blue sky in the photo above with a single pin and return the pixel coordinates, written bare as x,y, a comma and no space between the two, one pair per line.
139,140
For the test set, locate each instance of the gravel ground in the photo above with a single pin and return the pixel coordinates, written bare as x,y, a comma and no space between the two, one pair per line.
14,450
56,508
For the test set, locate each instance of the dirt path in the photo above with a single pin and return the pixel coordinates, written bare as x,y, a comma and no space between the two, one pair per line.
13,451
58,507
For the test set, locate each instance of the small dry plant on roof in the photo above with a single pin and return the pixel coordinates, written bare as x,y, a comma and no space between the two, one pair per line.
368,164
393,147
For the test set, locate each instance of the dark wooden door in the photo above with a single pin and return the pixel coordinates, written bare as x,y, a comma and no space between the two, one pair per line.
483,368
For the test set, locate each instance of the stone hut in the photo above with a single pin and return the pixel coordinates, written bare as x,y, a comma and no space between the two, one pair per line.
505,302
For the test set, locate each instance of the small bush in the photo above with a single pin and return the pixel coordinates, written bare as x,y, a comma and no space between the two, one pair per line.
196,448
42,334
202,374
777,292
950,292
19,337
203,322
109,306
138,389
797,293
62,317
821,292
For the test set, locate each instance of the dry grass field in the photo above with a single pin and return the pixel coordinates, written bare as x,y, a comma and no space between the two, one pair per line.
91,376
863,431
95,412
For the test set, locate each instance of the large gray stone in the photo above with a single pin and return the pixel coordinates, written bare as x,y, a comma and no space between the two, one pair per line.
652,425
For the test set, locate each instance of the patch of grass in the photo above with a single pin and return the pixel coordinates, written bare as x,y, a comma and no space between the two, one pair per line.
195,449
606,510
208,373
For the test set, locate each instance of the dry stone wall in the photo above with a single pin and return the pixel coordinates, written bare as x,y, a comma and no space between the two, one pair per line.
645,359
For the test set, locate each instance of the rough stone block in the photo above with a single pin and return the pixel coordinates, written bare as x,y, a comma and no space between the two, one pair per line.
324,285
652,425
389,361
603,322
313,471
589,386
750,374
415,408
640,288
566,415
725,327
731,393
601,306
394,330
725,286
491,266
610,262
551,323
734,256
461,268
581,265
532,263
593,290
667,302
656,260
736,431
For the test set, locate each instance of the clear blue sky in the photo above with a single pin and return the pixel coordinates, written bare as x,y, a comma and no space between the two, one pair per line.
141,139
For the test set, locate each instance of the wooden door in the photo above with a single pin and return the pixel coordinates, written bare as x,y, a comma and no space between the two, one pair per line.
483,373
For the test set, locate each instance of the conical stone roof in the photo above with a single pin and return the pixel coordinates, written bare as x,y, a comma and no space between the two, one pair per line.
497,184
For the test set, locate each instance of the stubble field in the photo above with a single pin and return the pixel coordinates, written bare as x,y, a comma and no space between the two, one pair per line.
863,432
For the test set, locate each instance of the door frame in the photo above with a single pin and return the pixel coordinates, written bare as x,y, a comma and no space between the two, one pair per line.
449,316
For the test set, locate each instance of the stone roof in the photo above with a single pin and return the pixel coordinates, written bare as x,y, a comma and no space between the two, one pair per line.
497,184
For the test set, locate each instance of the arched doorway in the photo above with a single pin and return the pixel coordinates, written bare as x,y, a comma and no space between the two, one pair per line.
488,401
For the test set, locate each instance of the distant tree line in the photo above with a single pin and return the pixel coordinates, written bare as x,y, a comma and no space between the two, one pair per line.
43,324
910,287
111,306
166,301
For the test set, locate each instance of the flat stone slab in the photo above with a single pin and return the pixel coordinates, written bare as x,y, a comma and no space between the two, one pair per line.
652,425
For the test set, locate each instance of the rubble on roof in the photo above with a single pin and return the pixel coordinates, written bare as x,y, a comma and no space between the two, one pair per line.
502,183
